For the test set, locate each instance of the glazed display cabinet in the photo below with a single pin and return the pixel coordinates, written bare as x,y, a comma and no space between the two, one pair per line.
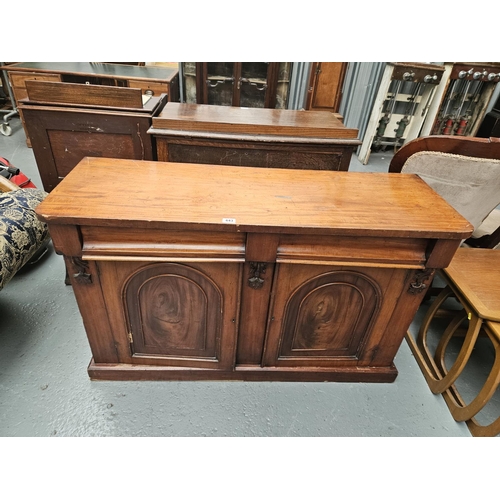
245,84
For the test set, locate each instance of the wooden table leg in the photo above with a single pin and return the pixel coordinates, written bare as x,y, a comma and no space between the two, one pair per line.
461,411
437,377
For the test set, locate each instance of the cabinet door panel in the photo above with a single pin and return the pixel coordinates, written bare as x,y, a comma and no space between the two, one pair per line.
325,84
174,314
254,84
253,94
219,83
329,315
324,316
169,314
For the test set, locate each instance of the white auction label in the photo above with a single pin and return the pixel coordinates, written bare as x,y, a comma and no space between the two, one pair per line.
227,220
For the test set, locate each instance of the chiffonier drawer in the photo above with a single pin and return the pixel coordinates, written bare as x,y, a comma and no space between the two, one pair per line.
409,253
158,245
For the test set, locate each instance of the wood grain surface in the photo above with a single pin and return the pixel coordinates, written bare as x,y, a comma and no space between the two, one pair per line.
75,93
476,273
224,119
147,194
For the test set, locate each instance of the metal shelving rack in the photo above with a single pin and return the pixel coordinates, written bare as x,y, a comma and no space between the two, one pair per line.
403,101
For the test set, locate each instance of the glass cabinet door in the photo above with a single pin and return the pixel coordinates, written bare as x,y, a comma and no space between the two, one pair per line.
220,83
254,84
245,84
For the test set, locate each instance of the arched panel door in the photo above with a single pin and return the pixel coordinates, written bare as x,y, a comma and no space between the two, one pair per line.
321,318
175,312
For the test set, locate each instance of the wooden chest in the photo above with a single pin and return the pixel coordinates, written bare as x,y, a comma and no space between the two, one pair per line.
218,272
253,137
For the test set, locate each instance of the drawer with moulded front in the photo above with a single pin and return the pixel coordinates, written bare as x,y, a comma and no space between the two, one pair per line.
409,253
132,244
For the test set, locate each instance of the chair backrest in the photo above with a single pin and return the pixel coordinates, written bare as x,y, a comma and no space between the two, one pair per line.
465,171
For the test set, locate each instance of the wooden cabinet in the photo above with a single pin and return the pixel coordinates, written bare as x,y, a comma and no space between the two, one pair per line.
246,84
278,138
67,122
325,85
151,80
239,273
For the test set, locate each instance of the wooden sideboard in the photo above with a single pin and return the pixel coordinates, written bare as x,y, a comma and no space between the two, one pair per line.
67,122
253,137
152,80
219,272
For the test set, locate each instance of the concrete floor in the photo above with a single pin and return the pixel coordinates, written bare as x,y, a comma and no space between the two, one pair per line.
45,389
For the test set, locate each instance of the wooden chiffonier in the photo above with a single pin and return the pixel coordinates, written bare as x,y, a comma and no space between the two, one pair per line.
204,272
253,137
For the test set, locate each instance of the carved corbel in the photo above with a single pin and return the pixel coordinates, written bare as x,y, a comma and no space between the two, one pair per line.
417,285
82,276
256,270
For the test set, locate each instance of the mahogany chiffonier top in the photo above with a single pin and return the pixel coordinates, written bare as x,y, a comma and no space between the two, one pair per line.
149,194
205,118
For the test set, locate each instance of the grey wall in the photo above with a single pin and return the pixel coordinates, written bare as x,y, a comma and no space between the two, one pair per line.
360,90
298,85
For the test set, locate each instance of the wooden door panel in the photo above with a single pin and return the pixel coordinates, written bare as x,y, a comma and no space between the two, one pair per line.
326,82
172,311
174,314
62,137
323,315
328,316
